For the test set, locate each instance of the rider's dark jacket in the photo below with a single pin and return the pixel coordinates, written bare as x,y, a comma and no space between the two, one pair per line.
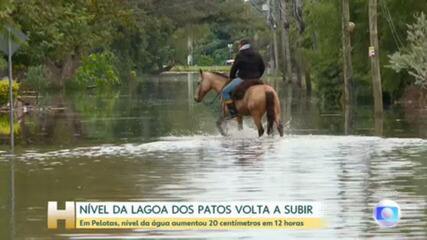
248,64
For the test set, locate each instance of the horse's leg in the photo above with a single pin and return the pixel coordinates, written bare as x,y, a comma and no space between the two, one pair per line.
279,124
240,122
221,120
280,128
277,120
258,123
219,125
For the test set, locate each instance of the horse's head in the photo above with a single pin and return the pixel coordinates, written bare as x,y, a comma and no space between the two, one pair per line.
203,87
209,81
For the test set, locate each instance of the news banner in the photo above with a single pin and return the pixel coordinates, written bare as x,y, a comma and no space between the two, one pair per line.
187,215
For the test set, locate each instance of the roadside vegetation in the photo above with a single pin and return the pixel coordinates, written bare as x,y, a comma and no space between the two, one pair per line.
83,43
100,44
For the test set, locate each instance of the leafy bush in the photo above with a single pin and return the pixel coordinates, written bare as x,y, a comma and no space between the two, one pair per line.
5,127
204,60
36,79
98,69
4,90
3,64
414,58
221,55
329,87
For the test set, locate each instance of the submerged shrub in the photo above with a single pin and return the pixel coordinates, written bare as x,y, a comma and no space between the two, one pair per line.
4,90
98,70
5,126
36,79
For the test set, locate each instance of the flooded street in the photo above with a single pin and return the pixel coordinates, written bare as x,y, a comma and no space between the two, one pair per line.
150,141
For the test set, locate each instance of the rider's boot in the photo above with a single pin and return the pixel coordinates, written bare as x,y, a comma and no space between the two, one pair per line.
232,111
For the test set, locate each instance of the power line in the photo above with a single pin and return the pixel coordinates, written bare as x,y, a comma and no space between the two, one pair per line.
389,19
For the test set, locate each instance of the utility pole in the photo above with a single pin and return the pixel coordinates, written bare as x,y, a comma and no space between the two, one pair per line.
374,54
286,49
275,50
190,49
9,45
270,9
347,28
10,41
272,15
299,50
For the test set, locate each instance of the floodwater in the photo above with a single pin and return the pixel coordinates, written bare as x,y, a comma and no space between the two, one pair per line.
150,142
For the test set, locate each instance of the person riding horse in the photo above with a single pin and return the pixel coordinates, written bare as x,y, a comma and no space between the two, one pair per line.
247,65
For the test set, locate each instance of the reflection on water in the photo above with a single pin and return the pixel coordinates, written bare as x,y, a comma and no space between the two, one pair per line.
149,141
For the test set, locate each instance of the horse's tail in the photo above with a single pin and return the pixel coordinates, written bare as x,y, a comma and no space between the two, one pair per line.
269,96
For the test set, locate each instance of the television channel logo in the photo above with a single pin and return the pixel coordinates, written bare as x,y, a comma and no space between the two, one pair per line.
387,213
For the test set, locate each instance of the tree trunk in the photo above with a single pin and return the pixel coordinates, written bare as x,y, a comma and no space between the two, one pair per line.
299,48
308,79
286,49
298,14
347,66
301,69
375,58
272,22
59,73
300,63
276,52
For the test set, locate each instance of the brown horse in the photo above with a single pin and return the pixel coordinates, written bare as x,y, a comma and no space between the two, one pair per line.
258,100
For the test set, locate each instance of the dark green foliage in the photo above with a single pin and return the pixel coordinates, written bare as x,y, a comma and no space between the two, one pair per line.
414,58
63,32
144,36
323,49
322,42
204,60
36,78
98,70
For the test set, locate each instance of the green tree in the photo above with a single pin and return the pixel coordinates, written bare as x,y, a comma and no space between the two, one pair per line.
98,69
61,32
413,59
211,24
322,44
322,47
